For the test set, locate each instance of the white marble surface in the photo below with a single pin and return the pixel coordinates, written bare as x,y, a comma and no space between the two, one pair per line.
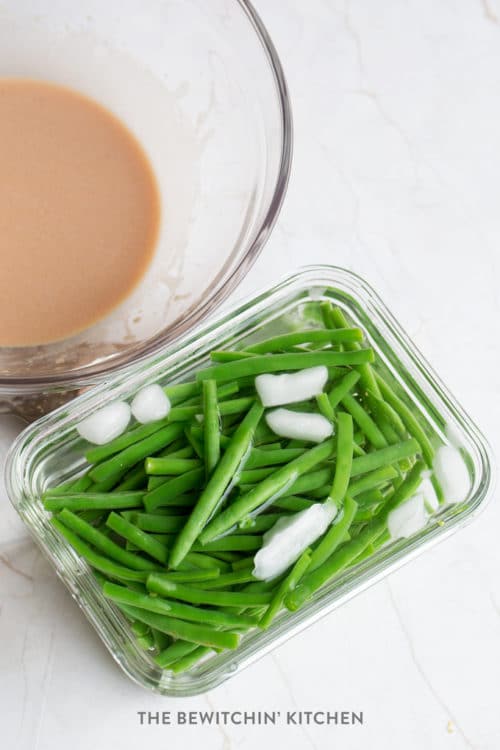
396,176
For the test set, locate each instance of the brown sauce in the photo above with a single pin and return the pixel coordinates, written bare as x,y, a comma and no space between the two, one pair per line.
79,212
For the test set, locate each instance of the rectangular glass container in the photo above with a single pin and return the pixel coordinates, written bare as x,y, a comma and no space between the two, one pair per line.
50,451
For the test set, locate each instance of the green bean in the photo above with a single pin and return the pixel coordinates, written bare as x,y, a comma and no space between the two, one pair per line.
225,356
162,538
172,449
369,498
188,661
335,534
182,391
117,465
140,432
174,507
325,407
365,514
162,586
350,551
101,563
319,493
387,430
297,444
263,434
227,557
139,628
292,503
310,481
196,431
132,480
92,501
262,587
211,425
372,480
161,640
105,486
197,560
411,422
196,574
359,440
73,485
268,447
231,407
326,310
379,411
229,579
154,482
383,412
287,585
139,538
261,457
315,484
365,422
236,406
231,543
159,524
154,603
384,457
145,641
253,476
203,634
226,389
271,487
217,484
376,543
91,516
343,388
170,466
101,542
367,376
82,484
175,651
381,540
344,460
185,412
318,335
194,441
405,464
257,524
167,493
333,565
187,451
278,362
438,489
244,563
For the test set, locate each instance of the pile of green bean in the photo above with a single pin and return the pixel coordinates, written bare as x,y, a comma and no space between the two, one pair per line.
171,514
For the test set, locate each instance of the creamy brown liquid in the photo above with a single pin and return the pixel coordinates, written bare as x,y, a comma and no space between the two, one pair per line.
79,212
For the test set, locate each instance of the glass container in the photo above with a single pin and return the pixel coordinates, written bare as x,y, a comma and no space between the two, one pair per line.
50,451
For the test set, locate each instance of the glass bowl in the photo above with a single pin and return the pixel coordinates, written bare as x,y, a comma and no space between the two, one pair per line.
50,451
201,86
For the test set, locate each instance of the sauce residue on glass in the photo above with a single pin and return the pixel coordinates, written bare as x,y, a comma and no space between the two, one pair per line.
79,212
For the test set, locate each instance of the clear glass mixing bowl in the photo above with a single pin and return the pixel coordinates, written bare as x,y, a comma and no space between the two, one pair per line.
201,86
